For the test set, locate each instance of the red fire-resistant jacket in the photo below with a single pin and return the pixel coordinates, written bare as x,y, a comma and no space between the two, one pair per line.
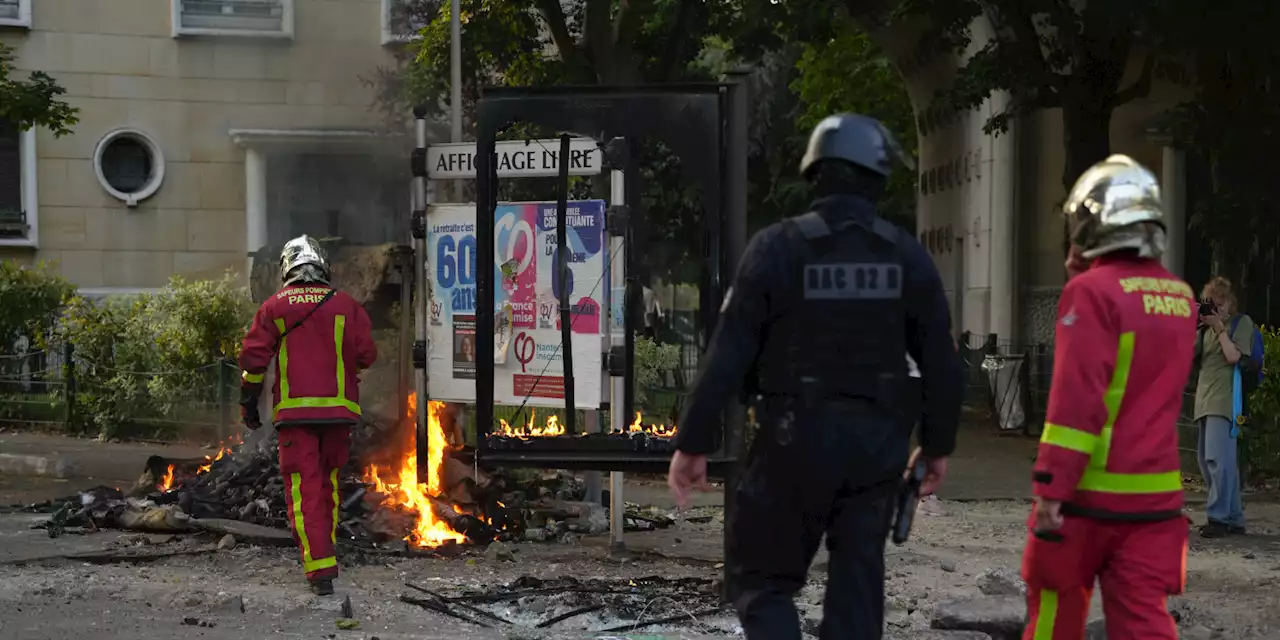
1125,333
318,360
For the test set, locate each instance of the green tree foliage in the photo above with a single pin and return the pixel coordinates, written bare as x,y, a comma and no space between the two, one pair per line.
1227,55
1046,54
30,300
540,42
653,362
849,74
33,101
153,354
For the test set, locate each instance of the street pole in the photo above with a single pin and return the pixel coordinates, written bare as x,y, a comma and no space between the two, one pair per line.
455,84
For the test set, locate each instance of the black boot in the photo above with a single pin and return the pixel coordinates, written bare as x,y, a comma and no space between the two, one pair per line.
322,587
1214,529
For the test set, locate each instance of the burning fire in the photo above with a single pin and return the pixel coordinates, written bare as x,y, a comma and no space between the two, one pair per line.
166,483
223,449
552,427
659,430
531,430
405,491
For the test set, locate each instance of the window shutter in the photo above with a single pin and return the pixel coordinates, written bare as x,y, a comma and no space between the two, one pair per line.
12,220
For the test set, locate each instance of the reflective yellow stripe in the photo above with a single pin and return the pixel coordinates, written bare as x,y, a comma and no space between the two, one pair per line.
317,403
299,525
1130,483
322,563
1068,438
333,480
1047,615
1096,477
340,329
283,360
1112,399
251,378
340,400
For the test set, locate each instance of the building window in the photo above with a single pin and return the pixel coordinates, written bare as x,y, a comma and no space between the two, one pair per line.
15,13
129,165
402,20
18,224
254,18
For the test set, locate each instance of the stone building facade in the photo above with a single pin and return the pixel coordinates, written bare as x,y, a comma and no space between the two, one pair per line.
207,129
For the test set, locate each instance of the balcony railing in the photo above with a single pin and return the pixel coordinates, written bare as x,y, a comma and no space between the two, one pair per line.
267,17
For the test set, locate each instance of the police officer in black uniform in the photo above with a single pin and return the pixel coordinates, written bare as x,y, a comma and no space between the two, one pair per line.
812,333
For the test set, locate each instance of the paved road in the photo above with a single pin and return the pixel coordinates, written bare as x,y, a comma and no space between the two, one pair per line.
86,463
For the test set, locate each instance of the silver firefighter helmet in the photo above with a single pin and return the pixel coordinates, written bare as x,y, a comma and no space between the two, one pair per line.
303,260
1116,205
857,139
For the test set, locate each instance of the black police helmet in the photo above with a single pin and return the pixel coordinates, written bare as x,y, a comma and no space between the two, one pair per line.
855,139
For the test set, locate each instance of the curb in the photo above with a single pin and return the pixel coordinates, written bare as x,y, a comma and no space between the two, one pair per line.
43,466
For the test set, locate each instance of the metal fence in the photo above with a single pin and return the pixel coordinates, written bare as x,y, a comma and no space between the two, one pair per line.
1001,375
58,390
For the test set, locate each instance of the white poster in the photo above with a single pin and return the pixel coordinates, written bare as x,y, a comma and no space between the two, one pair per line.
528,358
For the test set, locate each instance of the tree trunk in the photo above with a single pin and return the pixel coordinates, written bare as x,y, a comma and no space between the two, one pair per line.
1086,129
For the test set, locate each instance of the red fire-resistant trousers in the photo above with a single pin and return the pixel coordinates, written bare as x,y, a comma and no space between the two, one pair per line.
310,459
1137,564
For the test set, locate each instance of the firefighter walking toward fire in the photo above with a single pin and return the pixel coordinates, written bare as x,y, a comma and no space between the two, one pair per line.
813,332
1107,477
321,339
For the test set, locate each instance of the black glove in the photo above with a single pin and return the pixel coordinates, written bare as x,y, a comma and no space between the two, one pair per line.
249,412
249,409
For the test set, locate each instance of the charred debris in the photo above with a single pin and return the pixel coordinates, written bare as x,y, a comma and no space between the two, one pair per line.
242,482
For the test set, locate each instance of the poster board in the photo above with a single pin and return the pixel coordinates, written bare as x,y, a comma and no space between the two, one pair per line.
527,351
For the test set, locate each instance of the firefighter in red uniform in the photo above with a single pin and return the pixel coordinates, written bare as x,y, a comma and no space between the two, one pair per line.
1107,478
321,339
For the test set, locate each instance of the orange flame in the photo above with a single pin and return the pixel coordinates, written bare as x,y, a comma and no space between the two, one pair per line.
552,427
166,483
660,430
405,491
223,449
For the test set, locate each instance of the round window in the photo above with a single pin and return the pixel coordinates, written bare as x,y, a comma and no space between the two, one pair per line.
129,165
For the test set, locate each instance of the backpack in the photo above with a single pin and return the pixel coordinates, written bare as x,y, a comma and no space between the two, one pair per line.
1252,367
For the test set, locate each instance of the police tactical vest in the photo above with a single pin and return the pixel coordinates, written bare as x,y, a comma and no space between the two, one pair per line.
840,334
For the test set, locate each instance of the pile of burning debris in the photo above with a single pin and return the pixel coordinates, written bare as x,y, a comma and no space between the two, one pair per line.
383,505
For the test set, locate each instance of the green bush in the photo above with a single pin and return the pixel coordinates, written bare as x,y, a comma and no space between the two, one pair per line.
30,299
652,362
151,353
1261,440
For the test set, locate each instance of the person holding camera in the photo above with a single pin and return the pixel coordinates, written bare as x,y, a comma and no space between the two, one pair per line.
1225,343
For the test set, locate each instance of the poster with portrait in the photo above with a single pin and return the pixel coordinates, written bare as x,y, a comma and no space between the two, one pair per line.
528,354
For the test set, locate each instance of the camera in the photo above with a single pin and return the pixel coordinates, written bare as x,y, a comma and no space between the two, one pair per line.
1207,307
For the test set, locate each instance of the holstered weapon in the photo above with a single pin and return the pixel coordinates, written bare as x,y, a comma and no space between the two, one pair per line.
908,498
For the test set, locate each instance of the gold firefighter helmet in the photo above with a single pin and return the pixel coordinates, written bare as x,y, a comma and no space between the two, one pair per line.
303,260
1116,205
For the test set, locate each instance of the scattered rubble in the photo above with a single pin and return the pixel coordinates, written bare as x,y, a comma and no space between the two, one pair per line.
1001,581
1001,617
595,606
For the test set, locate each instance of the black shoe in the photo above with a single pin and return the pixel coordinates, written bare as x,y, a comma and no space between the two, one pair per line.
1214,529
322,587
1235,529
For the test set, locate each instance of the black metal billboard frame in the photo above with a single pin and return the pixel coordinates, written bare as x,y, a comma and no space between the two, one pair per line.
705,126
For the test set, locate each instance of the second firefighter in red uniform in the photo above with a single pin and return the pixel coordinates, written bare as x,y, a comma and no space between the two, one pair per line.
1107,478
321,339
